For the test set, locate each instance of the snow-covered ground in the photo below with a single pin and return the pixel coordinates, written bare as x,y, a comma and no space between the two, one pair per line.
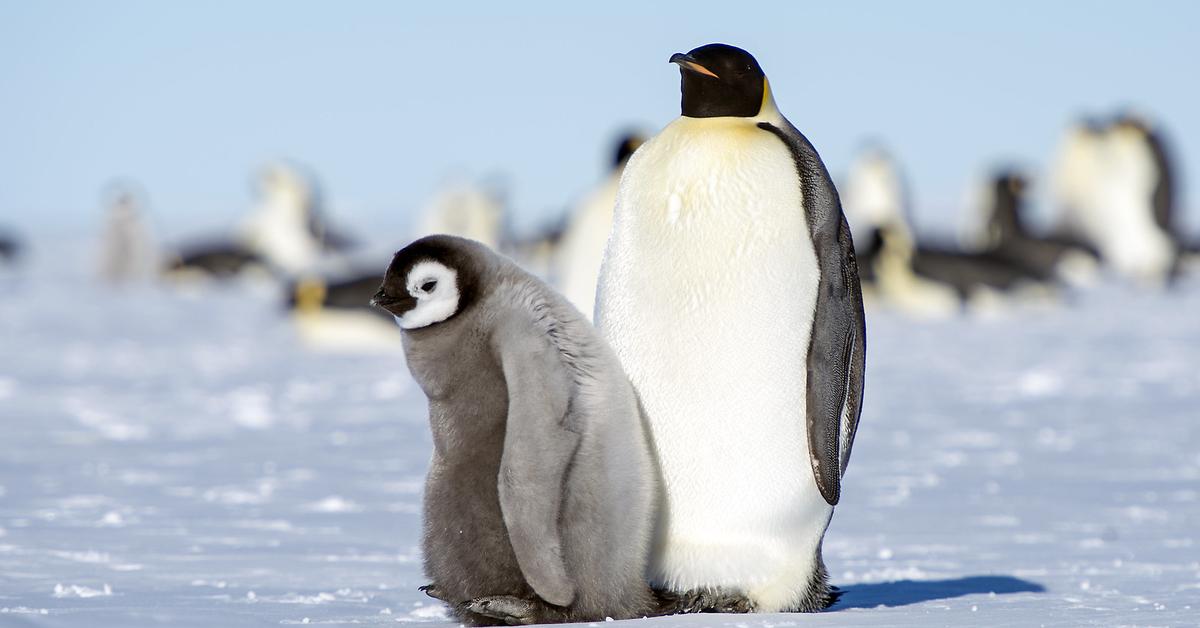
176,458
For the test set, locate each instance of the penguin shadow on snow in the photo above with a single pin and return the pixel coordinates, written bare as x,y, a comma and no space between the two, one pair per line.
906,592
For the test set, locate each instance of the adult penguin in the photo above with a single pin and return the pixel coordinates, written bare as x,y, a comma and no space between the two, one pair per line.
730,293
582,251
1106,182
1006,235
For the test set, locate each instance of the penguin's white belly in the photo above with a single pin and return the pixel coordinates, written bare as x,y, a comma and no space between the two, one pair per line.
707,295
280,234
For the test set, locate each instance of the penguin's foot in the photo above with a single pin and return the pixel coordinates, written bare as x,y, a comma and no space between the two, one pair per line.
515,611
705,600
434,592
818,599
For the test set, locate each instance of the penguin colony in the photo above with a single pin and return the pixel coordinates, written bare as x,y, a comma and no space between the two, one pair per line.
1113,184
685,453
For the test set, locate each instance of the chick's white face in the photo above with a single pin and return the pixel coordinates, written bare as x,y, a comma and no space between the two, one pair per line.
435,287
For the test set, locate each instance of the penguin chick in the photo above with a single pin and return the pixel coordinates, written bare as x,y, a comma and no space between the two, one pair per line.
541,492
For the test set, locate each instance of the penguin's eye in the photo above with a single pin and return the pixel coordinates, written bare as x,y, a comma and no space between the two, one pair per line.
428,286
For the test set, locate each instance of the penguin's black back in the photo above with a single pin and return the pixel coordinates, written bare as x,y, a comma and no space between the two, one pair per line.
220,259
966,271
354,292
1041,255
1011,242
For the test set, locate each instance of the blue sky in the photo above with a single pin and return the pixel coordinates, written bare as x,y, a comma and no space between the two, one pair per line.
387,101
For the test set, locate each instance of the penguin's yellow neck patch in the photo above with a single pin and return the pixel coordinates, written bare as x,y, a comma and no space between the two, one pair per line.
310,294
767,108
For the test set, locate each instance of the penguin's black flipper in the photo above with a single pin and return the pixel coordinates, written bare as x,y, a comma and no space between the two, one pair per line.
836,357
837,343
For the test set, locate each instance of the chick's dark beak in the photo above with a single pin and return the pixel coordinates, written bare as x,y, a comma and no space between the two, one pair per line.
397,306
688,63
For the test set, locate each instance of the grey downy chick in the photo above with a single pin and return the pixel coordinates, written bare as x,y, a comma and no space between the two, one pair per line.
542,490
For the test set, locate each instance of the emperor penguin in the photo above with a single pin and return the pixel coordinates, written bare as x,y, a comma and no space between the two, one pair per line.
10,248
1165,198
1003,231
284,236
922,278
582,248
730,292
333,313
128,249
536,248
1106,179
469,210
279,228
876,201
215,258
542,491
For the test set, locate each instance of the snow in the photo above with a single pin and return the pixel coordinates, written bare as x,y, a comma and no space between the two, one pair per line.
176,457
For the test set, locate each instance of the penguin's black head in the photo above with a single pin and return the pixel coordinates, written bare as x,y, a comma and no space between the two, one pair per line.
1009,183
720,80
1008,196
626,146
431,280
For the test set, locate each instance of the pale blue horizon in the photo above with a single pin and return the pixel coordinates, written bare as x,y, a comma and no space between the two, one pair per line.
386,102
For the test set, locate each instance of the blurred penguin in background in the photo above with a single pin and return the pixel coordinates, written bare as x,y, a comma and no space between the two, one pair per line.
874,196
216,259
10,248
287,227
335,313
1115,191
285,235
129,252
537,251
1166,188
1002,230
582,249
875,199
921,279
468,210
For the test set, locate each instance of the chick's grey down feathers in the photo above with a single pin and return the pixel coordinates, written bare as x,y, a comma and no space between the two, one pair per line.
542,487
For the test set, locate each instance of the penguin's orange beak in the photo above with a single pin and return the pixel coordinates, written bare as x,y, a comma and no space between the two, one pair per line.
688,63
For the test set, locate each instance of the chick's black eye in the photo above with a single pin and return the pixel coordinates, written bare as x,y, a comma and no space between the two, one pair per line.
428,286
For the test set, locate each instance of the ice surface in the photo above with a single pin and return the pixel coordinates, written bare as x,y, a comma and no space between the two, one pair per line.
174,457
